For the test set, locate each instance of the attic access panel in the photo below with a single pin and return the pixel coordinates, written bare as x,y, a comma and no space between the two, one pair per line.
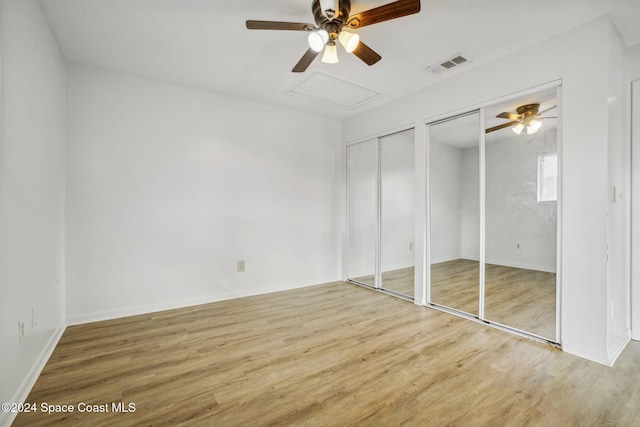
326,89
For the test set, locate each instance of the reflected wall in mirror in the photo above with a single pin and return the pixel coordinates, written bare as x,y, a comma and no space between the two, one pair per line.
397,175
521,216
362,177
454,207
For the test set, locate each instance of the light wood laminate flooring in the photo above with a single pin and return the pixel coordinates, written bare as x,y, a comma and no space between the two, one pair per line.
515,297
326,355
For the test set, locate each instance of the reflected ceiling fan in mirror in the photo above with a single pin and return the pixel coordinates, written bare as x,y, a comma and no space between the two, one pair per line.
329,28
526,117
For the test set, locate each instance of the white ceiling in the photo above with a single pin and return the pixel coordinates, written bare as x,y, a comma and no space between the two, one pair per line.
204,43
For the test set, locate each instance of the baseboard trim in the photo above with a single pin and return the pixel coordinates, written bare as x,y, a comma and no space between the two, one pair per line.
386,269
594,356
607,358
504,263
360,274
523,266
99,316
20,396
438,260
394,267
618,347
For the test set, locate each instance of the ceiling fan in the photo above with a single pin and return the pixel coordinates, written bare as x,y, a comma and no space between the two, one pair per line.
330,27
526,116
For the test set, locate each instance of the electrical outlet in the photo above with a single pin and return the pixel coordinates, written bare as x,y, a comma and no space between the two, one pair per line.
240,266
34,319
518,245
20,331
410,246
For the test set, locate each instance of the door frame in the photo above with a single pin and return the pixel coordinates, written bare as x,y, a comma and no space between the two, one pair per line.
635,209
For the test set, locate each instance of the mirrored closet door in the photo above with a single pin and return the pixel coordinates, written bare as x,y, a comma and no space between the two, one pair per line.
454,147
521,213
362,190
381,180
397,211
493,213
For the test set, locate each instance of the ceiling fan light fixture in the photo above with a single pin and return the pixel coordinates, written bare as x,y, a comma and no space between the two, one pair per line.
518,128
330,55
317,40
349,40
533,126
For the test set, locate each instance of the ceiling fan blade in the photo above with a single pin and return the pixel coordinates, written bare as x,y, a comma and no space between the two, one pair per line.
305,61
366,54
277,25
344,9
510,116
550,117
394,10
548,109
502,126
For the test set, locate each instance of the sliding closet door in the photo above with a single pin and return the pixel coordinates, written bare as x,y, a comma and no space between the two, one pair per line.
362,189
397,180
521,218
454,207
635,210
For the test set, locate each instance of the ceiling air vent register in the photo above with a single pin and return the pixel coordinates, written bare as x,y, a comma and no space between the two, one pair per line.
448,64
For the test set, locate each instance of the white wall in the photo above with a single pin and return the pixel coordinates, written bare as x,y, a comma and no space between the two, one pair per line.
454,188
168,187
580,58
470,205
31,197
446,202
519,231
397,204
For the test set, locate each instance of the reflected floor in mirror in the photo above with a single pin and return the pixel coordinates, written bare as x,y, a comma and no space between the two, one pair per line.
400,281
455,284
521,298
366,280
516,297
